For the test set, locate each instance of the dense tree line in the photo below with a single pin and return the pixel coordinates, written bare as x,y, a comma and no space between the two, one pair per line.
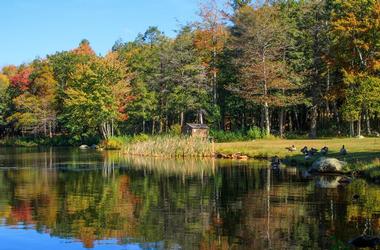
286,66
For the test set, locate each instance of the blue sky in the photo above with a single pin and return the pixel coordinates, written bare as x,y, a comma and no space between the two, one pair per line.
18,239
31,28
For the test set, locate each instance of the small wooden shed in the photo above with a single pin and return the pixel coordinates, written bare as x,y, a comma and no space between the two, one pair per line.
196,130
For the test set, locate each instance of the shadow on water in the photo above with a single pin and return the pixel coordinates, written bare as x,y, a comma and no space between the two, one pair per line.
104,199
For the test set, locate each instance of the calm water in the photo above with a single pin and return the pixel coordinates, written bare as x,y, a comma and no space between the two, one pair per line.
71,199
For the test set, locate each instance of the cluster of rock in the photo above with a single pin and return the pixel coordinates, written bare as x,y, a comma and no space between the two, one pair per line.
236,156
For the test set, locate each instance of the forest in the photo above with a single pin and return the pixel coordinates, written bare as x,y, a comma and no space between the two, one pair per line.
285,67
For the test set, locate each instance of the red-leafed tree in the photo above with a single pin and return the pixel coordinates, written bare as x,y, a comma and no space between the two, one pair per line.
21,79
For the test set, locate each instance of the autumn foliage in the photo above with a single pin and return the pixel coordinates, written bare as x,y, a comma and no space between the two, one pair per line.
21,79
291,68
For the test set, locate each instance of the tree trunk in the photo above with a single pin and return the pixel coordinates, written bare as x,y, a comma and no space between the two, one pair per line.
45,128
243,121
368,122
327,91
182,119
266,118
281,118
352,132
266,107
161,126
313,122
166,124
153,126
105,128
262,122
336,114
50,130
215,88
298,125
359,128
112,127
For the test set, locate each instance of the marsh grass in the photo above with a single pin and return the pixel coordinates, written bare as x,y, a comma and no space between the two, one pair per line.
170,147
18,142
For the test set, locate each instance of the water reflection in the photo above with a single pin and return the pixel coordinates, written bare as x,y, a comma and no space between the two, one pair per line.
103,199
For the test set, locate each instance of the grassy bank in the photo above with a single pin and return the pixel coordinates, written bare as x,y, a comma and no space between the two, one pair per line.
360,150
363,154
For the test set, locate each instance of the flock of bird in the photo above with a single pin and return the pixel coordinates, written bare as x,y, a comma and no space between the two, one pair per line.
313,151
309,153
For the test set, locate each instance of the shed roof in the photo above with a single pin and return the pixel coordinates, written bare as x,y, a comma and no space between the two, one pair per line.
197,126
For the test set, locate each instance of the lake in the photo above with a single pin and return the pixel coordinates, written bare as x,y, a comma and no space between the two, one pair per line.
59,198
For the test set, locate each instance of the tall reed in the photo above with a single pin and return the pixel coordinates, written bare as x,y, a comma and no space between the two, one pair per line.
171,147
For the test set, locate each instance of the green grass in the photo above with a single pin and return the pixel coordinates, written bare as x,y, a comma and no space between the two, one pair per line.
360,151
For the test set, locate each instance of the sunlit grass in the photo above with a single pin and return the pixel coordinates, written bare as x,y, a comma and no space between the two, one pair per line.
359,150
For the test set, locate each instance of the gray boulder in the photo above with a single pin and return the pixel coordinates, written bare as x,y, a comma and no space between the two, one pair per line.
328,165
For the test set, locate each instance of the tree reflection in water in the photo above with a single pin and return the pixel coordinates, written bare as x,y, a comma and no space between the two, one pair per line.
161,203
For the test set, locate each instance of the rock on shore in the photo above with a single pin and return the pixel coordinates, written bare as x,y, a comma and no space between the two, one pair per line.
328,165
83,147
237,156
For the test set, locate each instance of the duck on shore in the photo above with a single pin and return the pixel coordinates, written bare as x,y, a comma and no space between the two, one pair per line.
324,150
304,150
291,149
313,151
343,150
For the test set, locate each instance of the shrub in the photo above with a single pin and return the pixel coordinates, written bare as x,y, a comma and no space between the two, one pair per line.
227,136
255,133
176,129
114,143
